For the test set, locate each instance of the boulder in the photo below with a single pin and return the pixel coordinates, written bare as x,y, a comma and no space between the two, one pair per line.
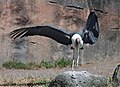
78,79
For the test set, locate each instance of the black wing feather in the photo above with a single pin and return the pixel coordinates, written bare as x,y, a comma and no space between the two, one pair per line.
90,33
47,31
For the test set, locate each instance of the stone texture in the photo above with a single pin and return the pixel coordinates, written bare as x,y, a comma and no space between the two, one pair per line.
116,76
78,79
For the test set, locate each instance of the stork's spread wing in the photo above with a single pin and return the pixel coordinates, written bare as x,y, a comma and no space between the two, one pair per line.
47,31
91,32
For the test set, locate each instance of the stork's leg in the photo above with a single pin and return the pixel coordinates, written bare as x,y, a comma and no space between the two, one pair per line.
78,56
73,62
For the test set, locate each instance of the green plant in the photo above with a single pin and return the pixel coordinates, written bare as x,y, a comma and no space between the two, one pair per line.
14,65
32,65
110,82
46,64
19,65
44,82
62,63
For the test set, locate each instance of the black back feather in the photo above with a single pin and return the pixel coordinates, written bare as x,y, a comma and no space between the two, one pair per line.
91,31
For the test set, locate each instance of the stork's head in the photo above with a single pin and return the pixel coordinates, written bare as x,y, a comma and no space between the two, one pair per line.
77,41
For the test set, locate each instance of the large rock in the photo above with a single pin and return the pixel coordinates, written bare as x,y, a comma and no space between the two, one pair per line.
116,76
78,79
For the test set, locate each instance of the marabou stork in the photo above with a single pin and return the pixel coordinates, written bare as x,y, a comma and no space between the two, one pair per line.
88,35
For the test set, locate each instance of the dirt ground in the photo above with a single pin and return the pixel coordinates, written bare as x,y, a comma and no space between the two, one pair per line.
105,68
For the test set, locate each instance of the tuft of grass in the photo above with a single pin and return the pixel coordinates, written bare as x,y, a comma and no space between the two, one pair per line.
19,65
14,65
60,63
32,65
46,64
43,81
63,63
110,82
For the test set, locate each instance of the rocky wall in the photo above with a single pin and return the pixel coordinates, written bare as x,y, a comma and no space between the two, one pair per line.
15,14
